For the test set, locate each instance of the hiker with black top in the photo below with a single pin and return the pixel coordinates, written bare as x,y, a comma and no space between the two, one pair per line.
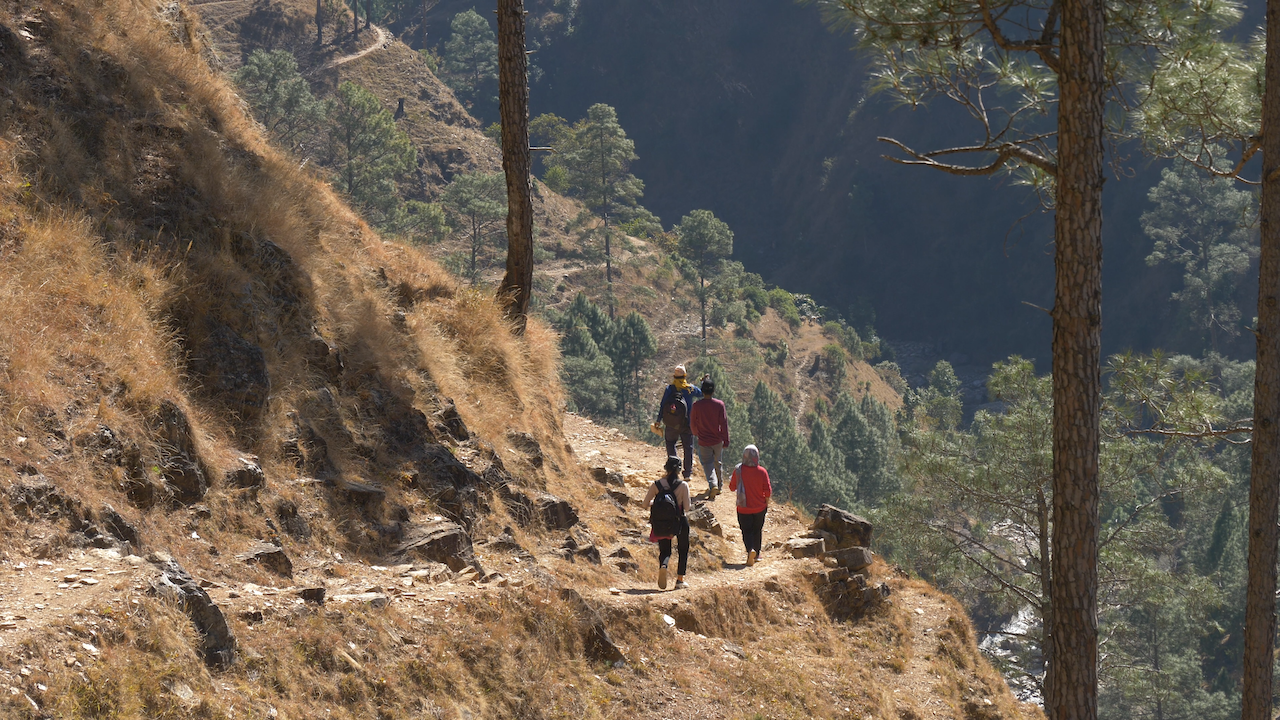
710,424
750,483
673,413
668,501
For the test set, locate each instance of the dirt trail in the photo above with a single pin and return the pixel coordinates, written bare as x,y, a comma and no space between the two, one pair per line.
384,39
79,590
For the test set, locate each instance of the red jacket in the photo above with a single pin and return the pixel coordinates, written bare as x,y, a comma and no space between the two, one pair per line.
710,422
759,489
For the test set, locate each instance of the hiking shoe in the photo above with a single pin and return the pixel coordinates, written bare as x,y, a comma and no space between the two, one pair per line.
751,558
662,578
712,492
682,585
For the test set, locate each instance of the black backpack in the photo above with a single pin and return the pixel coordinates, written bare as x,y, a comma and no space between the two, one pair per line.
664,514
675,414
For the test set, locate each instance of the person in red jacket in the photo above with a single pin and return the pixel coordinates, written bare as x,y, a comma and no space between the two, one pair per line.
750,482
710,424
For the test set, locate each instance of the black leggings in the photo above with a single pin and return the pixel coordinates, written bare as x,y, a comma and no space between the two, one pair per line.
752,529
682,542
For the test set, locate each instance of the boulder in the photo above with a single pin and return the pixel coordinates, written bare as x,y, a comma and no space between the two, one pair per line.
848,529
293,523
853,558
218,645
452,422
119,528
805,547
271,557
555,513
372,599
313,595
441,541
519,505
619,497
179,462
358,492
323,356
247,473
528,446
587,551
702,518
605,476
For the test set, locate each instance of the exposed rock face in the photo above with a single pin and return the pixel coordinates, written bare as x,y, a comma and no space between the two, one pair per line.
271,557
574,549
595,637
557,514
323,356
233,371
119,528
33,496
293,523
854,558
246,474
805,547
179,462
528,446
702,518
358,492
448,418
847,595
218,644
439,540
848,529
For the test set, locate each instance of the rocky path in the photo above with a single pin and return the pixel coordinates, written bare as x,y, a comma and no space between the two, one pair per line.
81,590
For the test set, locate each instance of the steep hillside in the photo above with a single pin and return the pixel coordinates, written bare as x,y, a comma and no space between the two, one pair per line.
449,142
257,461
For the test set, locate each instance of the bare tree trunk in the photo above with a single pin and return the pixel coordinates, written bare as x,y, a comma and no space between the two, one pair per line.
1072,679
516,289
1264,474
608,265
368,13
355,17
319,23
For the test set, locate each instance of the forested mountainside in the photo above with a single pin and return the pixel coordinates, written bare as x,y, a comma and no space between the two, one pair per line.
771,126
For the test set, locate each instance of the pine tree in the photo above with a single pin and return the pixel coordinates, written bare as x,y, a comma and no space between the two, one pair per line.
831,481
479,200
280,97
1208,228
705,240
782,451
470,57
630,347
587,373
366,150
596,162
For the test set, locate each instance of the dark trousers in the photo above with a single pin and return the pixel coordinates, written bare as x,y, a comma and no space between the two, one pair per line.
752,529
686,439
682,543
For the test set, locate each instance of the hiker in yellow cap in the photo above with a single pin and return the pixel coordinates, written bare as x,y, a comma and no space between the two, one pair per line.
673,413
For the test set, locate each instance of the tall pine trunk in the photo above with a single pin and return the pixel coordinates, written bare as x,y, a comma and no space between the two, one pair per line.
319,23
513,105
1264,474
1071,683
